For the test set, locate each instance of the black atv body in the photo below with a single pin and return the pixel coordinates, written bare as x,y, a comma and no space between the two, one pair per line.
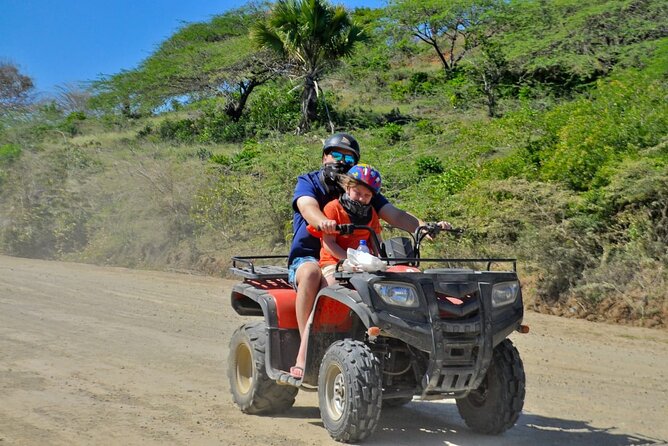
377,339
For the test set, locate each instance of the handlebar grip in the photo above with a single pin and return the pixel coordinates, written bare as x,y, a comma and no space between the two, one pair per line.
342,229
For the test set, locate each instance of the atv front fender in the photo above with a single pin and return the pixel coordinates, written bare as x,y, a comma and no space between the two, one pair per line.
349,299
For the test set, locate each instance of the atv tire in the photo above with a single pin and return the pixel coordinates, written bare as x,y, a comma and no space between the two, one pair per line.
495,406
350,391
252,390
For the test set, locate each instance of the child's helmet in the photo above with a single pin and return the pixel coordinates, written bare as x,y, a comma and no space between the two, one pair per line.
367,175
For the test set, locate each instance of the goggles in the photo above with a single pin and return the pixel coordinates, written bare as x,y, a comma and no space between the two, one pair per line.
338,156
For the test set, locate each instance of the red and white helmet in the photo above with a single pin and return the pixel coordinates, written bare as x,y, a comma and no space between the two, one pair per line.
366,174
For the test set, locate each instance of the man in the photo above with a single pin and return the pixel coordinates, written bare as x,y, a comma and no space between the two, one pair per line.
313,191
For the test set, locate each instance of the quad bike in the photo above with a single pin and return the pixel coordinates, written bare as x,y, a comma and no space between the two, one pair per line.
377,339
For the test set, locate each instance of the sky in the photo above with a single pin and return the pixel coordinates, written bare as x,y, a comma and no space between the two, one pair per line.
62,42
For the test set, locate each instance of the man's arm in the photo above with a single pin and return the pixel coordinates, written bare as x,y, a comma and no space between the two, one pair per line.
404,220
399,218
310,210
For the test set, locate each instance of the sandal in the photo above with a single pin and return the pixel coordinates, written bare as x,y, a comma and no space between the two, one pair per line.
297,372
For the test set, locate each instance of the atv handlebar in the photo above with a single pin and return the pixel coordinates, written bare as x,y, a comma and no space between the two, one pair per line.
422,231
348,228
433,229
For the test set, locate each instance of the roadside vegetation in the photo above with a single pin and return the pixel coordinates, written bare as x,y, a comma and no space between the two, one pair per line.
540,127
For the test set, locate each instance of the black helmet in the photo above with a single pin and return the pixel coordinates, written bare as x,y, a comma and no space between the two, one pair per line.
342,141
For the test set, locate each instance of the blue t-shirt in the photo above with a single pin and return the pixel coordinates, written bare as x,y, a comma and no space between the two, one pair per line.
310,185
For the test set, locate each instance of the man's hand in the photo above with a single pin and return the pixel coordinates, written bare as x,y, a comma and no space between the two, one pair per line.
327,226
444,225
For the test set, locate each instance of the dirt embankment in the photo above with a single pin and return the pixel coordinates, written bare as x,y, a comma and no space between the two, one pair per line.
92,355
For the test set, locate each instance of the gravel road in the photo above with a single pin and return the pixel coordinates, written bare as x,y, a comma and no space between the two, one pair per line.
95,355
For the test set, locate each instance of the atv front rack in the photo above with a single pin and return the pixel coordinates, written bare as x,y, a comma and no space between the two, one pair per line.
417,261
244,266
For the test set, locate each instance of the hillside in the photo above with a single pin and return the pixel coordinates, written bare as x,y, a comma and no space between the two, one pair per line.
547,140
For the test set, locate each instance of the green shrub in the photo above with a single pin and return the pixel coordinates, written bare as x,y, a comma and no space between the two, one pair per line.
392,132
624,115
255,205
183,130
399,91
428,165
203,154
72,123
9,153
358,118
274,108
47,212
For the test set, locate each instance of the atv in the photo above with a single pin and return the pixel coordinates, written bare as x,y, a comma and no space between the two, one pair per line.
378,339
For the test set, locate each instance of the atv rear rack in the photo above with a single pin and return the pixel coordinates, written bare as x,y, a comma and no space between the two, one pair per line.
244,266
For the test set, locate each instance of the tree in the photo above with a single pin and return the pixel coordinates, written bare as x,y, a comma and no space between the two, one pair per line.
73,97
488,69
14,88
201,60
450,27
564,44
312,36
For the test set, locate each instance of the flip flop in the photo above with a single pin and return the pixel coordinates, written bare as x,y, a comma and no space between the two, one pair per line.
297,372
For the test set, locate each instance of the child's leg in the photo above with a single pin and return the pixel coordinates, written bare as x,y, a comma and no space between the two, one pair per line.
298,370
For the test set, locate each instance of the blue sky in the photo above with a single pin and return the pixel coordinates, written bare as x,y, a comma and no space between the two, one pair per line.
63,42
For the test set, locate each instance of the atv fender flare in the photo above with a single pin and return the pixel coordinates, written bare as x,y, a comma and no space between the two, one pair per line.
349,298
248,300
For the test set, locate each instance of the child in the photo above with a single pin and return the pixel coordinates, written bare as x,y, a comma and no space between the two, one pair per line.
360,184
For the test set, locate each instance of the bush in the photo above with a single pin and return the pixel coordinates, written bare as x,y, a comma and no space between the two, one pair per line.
47,213
183,130
257,204
392,132
624,115
72,123
428,165
9,153
274,108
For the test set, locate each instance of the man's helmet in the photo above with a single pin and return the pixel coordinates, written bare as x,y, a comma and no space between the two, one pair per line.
367,175
342,141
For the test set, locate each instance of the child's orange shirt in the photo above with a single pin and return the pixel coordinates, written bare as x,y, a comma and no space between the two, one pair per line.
334,211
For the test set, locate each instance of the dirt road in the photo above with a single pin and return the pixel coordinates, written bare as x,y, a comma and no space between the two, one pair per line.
92,355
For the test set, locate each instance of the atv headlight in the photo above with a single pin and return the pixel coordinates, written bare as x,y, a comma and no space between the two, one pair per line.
504,293
398,294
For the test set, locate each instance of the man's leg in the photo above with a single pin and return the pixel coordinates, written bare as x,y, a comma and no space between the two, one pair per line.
309,281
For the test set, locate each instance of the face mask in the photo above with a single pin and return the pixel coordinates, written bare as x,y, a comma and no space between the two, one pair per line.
359,213
329,174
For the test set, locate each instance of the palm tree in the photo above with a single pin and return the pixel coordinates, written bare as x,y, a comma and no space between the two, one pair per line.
312,35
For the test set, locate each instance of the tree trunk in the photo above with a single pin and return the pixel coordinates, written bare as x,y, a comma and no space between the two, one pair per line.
309,104
235,109
488,88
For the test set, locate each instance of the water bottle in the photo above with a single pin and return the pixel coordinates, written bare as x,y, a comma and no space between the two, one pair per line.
363,247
